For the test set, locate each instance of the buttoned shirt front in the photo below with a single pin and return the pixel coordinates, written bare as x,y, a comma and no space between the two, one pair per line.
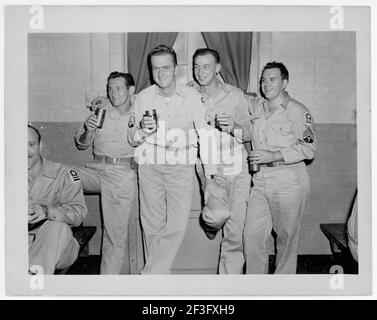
111,140
231,101
181,119
289,128
59,188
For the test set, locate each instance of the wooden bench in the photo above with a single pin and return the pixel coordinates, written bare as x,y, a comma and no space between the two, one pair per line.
83,234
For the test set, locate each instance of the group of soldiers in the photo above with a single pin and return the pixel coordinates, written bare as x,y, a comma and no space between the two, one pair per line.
154,144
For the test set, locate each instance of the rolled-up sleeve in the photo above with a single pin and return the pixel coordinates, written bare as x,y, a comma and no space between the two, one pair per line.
254,107
79,144
242,120
135,136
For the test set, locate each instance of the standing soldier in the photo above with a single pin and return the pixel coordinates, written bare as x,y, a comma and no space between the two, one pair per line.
167,151
227,110
282,134
111,172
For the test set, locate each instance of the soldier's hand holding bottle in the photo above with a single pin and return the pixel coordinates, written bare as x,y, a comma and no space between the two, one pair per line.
95,120
149,122
225,122
91,123
263,156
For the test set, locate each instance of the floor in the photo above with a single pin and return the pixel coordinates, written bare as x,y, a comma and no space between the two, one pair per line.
307,264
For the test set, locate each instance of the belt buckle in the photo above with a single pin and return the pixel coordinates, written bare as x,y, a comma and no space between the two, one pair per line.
275,164
109,159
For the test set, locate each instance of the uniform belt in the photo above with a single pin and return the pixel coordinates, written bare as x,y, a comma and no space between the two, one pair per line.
107,159
273,164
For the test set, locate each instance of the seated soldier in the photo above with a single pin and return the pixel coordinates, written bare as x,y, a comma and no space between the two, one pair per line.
56,202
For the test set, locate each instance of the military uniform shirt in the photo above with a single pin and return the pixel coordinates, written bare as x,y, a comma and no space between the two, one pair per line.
183,112
230,100
59,188
111,140
288,129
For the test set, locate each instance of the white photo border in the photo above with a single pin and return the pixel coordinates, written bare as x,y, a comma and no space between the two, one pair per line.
70,19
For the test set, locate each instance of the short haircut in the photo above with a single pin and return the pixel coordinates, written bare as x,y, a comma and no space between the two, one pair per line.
161,50
279,65
128,78
36,131
204,52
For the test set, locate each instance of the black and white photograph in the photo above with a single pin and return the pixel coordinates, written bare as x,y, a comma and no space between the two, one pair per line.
188,150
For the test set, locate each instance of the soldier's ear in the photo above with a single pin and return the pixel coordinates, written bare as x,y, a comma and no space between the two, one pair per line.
218,68
285,83
131,90
40,146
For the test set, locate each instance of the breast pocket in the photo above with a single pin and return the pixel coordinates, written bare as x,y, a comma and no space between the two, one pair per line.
279,134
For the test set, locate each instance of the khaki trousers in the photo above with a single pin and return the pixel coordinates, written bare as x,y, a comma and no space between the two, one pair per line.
118,187
276,201
52,246
165,204
232,259
237,187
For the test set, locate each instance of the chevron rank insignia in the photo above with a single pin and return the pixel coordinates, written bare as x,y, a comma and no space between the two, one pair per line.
308,136
74,175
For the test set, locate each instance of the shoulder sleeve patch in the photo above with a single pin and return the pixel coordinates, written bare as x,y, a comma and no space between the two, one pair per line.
203,100
74,175
308,118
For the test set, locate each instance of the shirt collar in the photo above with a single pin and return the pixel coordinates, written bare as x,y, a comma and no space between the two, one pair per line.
114,113
179,90
227,87
284,104
49,169
224,86
286,101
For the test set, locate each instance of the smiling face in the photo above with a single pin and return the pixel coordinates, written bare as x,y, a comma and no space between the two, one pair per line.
118,91
34,148
272,84
205,69
163,70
